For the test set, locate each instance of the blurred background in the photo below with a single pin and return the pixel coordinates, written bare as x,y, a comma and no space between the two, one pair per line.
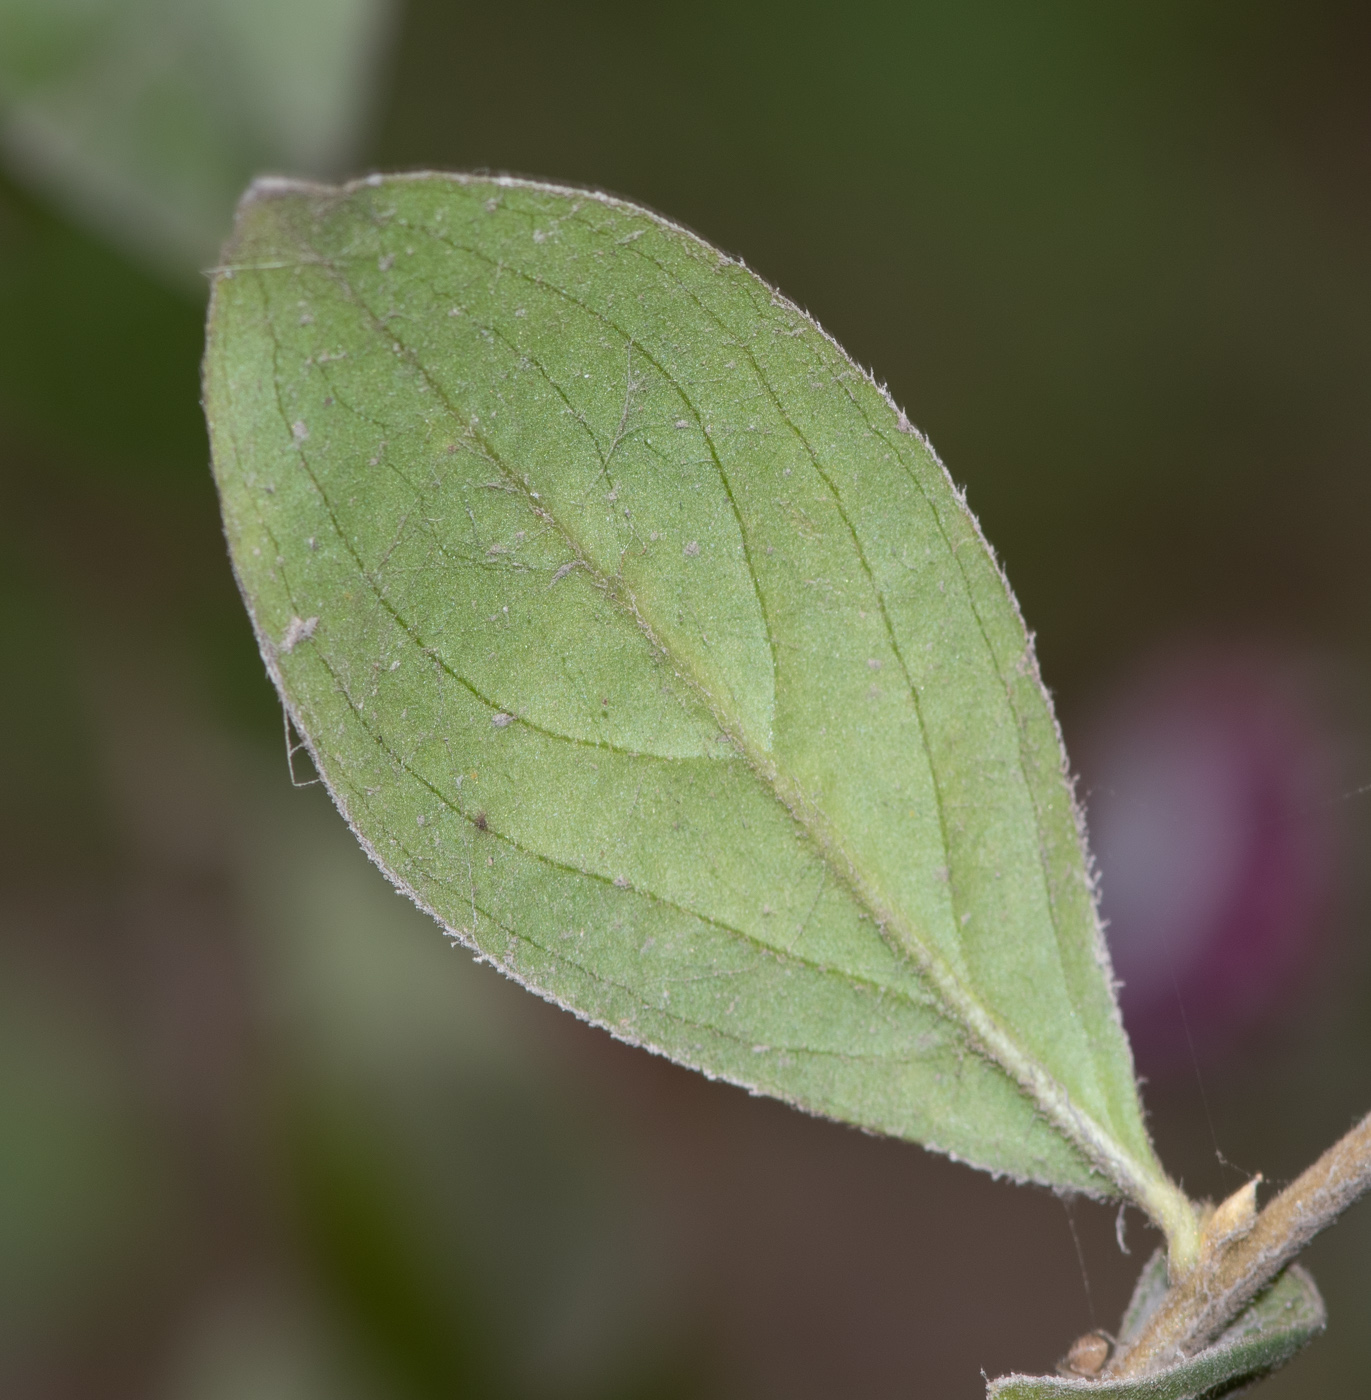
262,1132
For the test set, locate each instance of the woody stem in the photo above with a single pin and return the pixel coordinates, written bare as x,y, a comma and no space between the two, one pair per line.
1230,1274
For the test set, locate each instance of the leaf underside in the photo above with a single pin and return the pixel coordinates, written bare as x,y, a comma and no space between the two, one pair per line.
1280,1323
643,643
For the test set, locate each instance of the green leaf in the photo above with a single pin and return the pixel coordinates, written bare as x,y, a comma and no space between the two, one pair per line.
645,644
1279,1323
145,117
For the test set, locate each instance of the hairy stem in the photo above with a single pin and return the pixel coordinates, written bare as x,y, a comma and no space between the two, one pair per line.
1238,1259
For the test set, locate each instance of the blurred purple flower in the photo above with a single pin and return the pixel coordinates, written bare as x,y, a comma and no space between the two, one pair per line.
1210,784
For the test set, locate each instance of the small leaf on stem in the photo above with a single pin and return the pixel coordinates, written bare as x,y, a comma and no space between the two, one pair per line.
1285,1318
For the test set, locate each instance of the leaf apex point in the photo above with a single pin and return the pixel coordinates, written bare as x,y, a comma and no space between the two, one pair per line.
273,187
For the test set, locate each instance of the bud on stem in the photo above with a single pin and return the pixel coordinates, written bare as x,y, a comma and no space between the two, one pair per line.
1241,1252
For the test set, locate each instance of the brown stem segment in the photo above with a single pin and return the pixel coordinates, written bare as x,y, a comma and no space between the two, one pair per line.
1236,1265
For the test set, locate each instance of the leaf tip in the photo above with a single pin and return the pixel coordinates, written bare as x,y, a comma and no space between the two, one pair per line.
266,187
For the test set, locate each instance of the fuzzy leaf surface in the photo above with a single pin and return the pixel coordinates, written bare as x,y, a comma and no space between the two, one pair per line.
1280,1323
645,644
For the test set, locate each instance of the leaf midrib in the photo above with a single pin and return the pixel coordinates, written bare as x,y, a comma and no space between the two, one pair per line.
552,862
953,553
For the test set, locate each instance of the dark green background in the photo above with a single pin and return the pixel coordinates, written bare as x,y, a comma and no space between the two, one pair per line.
1116,262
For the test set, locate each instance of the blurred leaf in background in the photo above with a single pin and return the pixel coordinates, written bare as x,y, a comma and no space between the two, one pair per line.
145,118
